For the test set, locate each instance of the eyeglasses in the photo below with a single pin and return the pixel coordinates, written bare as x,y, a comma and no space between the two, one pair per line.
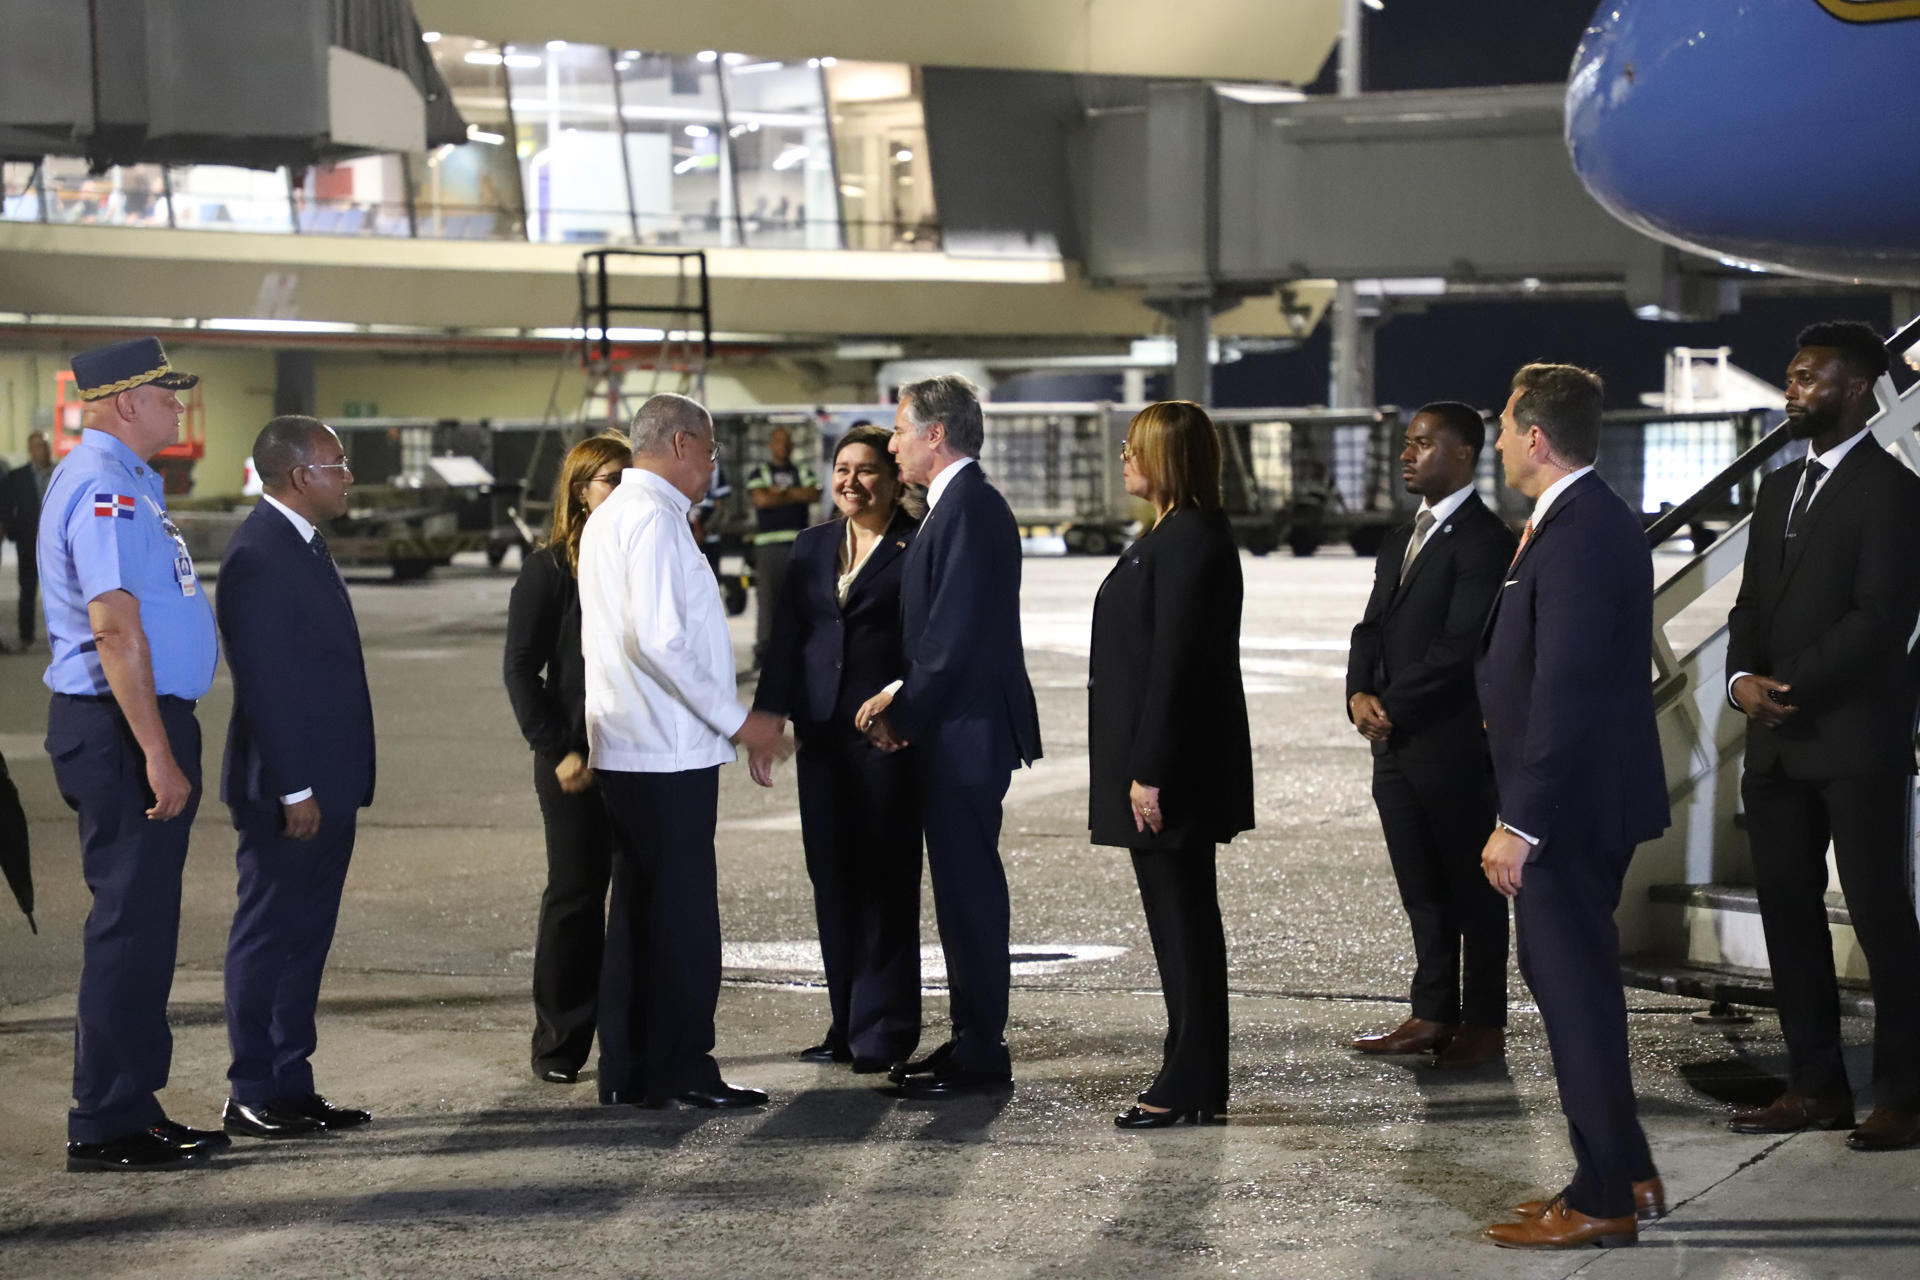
713,446
1127,452
342,465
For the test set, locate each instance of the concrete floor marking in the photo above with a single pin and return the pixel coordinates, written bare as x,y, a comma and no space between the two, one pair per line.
803,957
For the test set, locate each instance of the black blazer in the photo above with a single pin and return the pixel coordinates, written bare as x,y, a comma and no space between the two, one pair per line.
1414,646
1565,678
1165,702
545,672
966,695
20,507
823,660
302,716
1828,612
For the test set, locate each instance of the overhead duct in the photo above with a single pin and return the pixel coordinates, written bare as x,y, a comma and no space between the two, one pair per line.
238,82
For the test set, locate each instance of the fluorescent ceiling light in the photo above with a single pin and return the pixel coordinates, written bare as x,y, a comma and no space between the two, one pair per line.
903,155
525,61
476,134
792,156
706,55
687,165
430,37
697,131
556,46
733,59
755,68
483,58
828,62
234,324
621,64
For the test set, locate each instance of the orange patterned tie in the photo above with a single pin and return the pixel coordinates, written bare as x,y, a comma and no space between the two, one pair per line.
1526,536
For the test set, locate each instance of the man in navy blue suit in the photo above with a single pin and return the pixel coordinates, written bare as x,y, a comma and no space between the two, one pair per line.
299,769
967,707
1564,684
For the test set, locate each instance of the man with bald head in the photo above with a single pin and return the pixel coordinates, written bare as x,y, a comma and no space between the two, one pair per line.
299,769
662,717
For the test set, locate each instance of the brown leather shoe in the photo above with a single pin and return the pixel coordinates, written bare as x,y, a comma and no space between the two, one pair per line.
1649,1203
1792,1112
1561,1226
1472,1047
1886,1130
1415,1035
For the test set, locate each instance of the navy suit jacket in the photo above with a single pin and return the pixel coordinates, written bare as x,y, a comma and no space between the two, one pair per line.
302,716
823,658
966,694
1565,678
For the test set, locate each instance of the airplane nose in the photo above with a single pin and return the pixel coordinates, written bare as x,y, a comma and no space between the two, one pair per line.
1683,115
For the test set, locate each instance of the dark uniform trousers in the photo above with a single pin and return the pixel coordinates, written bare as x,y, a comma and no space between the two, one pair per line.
1180,891
29,575
1789,822
277,951
660,981
1435,814
1569,952
860,826
122,1044
570,946
970,903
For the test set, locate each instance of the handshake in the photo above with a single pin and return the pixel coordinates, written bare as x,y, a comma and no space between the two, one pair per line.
764,735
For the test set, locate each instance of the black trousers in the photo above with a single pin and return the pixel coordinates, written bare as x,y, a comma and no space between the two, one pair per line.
1569,951
29,586
1182,901
1789,823
122,1046
570,944
289,903
660,982
860,826
962,823
1436,815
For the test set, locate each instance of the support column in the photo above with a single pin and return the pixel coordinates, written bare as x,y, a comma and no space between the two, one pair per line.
1193,338
1350,366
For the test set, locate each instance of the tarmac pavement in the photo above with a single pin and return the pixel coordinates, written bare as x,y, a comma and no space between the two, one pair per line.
1333,1164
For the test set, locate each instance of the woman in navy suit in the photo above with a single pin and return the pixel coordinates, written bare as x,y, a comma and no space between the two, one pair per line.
1171,759
547,683
835,643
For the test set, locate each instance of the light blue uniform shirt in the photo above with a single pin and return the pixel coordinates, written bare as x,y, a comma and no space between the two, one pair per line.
104,527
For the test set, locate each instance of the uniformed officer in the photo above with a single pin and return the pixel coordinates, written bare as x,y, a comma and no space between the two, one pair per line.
133,648
783,493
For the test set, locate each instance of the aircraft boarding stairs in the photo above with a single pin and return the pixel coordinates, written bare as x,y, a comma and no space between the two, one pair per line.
1689,920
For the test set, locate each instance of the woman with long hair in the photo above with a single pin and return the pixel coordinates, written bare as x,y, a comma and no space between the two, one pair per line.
835,643
546,681
1171,758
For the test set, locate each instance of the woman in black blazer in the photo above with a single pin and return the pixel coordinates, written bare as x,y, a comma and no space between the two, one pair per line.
546,681
835,643
1172,762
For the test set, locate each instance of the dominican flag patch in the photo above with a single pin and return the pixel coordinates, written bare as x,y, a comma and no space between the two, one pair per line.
113,504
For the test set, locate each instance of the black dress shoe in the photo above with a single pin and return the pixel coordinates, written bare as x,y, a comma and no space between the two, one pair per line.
131,1153
1141,1118
723,1095
825,1051
268,1120
622,1098
922,1066
953,1084
555,1075
321,1112
196,1140
870,1066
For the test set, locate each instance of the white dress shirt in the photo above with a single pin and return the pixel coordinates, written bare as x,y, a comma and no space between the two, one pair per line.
1830,459
653,632
303,527
1540,506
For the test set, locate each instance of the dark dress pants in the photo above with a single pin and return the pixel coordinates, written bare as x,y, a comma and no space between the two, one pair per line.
962,822
1182,901
1789,823
569,946
1436,814
122,1046
1569,951
29,587
860,825
277,951
660,982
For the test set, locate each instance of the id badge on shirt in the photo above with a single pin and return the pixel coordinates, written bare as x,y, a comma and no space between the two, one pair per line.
182,562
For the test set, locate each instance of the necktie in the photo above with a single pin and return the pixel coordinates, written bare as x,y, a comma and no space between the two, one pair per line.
1422,526
1808,484
318,545
1526,536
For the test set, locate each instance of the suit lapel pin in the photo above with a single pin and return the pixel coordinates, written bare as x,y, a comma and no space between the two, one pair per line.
1446,528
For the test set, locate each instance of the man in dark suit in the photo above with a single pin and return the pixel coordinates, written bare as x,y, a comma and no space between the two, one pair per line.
1410,693
967,707
1564,685
299,768
1817,644
22,490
